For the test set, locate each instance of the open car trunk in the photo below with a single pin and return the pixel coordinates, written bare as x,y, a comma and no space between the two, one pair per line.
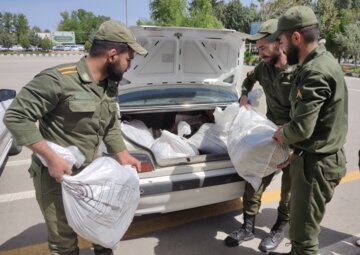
187,73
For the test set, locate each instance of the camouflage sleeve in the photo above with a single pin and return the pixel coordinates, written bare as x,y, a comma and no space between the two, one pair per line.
308,100
249,81
34,100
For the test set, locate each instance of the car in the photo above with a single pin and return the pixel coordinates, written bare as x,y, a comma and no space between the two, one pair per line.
16,47
8,144
187,73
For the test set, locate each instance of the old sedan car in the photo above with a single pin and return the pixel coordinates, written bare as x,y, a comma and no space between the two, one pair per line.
7,143
185,75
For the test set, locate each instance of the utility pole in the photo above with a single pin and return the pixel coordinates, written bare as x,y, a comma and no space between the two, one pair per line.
126,16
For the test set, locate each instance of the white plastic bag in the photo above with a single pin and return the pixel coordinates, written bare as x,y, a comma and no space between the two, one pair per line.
101,200
252,150
183,128
254,97
210,139
138,132
169,146
71,154
225,117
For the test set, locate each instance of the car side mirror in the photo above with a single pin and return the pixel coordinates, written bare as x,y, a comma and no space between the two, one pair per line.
6,94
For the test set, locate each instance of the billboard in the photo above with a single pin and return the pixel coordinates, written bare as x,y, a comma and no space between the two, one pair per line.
255,27
63,37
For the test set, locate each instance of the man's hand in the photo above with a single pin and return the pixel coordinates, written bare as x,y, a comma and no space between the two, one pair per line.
278,136
244,101
287,161
58,167
125,158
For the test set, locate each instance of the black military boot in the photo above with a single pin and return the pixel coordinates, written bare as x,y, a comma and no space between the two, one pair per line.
245,233
274,238
103,251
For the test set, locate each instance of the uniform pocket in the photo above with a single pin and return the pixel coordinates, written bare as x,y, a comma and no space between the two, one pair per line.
333,166
82,106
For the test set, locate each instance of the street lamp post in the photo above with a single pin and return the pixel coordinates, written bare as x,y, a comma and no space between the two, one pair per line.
126,17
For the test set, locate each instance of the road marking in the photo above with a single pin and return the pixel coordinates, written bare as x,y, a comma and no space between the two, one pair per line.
19,162
346,246
17,196
147,224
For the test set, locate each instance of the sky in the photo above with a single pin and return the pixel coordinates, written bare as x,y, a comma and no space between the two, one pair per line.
46,13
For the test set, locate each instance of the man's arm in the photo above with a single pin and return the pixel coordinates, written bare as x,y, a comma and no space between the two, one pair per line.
247,86
57,166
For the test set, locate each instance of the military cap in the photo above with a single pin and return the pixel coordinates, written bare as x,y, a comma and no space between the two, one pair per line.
115,31
266,29
294,18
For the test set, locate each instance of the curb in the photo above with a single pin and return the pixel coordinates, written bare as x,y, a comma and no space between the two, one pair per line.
355,75
43,55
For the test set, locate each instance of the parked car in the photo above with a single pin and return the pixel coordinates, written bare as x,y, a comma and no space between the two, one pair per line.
187,72
16,47
7,143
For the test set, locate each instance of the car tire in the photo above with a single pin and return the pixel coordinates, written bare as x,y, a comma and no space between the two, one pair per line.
15,149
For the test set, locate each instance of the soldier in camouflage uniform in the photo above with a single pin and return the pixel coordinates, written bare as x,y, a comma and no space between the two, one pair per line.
74,104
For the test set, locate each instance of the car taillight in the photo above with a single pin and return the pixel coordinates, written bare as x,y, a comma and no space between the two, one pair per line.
146,163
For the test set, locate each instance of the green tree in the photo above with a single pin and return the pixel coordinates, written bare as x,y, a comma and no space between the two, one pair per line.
46,44
168,13
34,39
239,17
7,39
21,26
201,15
6,22
82,22
24,41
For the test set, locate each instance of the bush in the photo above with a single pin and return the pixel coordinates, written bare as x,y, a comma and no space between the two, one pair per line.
251,59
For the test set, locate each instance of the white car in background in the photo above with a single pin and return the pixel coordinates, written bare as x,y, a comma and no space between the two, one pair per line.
7,143
187,72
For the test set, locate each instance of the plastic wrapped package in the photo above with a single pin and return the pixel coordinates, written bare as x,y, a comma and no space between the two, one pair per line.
138,132
183,129
71,154
101,200
251,148
169,146
210,139
224,118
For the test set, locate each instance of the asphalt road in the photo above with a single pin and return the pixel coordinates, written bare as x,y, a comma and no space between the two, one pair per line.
191,232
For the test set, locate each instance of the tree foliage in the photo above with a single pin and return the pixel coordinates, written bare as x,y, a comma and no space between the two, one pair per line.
168,13
201,15
82,22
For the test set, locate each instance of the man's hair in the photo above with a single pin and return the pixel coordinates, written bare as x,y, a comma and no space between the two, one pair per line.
100,47
310,33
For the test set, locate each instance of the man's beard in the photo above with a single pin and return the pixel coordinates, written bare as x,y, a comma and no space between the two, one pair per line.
292,54
114,73
273,60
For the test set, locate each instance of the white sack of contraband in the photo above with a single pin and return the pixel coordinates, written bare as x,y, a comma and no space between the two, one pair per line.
101,200
71,154
169,146
137,131
210,139
251,148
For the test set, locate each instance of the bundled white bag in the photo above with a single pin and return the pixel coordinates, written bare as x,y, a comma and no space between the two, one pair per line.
138,132
225,117
71,154
101,200
210,139
251,148
169,146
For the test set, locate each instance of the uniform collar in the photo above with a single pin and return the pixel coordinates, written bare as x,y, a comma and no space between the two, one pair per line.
315,53
84,71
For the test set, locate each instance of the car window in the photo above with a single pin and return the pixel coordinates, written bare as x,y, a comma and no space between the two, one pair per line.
176,96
